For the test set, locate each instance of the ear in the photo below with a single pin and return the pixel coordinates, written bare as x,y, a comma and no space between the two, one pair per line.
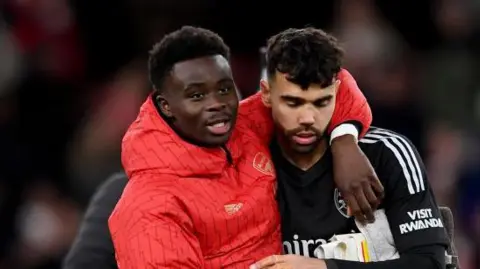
265,91
337,84
163,105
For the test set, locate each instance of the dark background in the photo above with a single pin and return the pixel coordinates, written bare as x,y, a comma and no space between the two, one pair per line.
73,74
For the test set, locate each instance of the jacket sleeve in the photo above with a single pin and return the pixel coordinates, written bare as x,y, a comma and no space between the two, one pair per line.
351,107
255,116
93,247
150,229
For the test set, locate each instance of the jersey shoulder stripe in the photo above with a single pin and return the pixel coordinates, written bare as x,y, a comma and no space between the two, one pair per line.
404,152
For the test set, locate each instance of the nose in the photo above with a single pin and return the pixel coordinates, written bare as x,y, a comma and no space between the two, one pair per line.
215,105
307,117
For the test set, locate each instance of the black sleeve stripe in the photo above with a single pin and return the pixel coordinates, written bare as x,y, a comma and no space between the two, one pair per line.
404,153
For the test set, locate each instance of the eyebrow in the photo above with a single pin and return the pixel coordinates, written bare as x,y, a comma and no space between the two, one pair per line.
296,98
201,84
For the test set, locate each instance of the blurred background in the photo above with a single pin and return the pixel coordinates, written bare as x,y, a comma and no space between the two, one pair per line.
73,75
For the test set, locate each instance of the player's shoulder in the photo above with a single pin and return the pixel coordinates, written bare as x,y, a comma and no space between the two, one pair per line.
380,143
395,159
380,138
143,201
145,189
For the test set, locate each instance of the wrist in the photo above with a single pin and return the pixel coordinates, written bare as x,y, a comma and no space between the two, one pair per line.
343,145
344,129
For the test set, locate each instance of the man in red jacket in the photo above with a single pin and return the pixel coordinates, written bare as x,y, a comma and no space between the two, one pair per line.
201,191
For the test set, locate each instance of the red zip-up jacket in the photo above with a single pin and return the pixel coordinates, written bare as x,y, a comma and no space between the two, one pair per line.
191,207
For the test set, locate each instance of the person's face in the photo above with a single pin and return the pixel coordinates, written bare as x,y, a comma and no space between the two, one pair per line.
301,116
201,99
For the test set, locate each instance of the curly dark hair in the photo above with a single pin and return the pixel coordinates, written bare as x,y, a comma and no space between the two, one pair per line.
184,44
308,56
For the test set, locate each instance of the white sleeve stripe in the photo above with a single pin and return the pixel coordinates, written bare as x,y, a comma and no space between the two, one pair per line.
368,141
406,156
417,170
410,156
399,157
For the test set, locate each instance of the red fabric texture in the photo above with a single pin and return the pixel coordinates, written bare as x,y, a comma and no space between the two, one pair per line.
351,104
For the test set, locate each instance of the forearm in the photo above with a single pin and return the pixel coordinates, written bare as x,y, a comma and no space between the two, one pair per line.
432,258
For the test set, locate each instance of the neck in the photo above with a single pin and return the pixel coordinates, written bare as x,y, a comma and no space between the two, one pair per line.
304,161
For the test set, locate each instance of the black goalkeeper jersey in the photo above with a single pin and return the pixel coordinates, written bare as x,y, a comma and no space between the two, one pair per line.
312,209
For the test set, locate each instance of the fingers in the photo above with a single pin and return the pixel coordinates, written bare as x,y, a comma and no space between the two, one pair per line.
364,204
354,208
377,187
371,196
360,207
267,262
374,181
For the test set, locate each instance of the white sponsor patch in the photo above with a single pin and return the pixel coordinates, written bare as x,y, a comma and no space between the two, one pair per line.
420,219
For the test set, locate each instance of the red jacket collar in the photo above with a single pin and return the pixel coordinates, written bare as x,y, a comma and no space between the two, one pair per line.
150,144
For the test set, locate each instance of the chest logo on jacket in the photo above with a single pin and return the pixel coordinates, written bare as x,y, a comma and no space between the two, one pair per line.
340,203
262,163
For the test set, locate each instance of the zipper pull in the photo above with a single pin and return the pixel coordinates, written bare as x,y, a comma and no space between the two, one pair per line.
228,155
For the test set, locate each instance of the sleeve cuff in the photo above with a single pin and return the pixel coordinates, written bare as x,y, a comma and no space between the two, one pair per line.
331,264
344,129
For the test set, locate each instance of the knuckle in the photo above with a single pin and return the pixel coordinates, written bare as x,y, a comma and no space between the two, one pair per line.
354,186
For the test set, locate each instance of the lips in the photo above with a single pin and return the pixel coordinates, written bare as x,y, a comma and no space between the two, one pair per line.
219,125
304,138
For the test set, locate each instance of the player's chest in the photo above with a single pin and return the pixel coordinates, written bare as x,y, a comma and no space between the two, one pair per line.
302,234
226,208
310,216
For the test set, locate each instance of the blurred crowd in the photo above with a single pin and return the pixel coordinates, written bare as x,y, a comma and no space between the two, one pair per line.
73,75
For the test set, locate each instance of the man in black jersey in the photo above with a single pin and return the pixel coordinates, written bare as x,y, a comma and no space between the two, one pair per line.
302,98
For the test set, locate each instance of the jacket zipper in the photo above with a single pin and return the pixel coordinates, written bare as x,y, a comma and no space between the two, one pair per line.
228,154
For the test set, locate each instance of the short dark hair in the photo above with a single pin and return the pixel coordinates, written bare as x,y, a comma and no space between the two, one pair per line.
184,44
308,56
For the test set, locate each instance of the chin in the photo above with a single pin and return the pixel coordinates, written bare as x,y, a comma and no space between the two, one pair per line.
304,149
217,141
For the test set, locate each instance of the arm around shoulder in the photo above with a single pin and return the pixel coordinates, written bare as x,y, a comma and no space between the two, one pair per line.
351,106
256,117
